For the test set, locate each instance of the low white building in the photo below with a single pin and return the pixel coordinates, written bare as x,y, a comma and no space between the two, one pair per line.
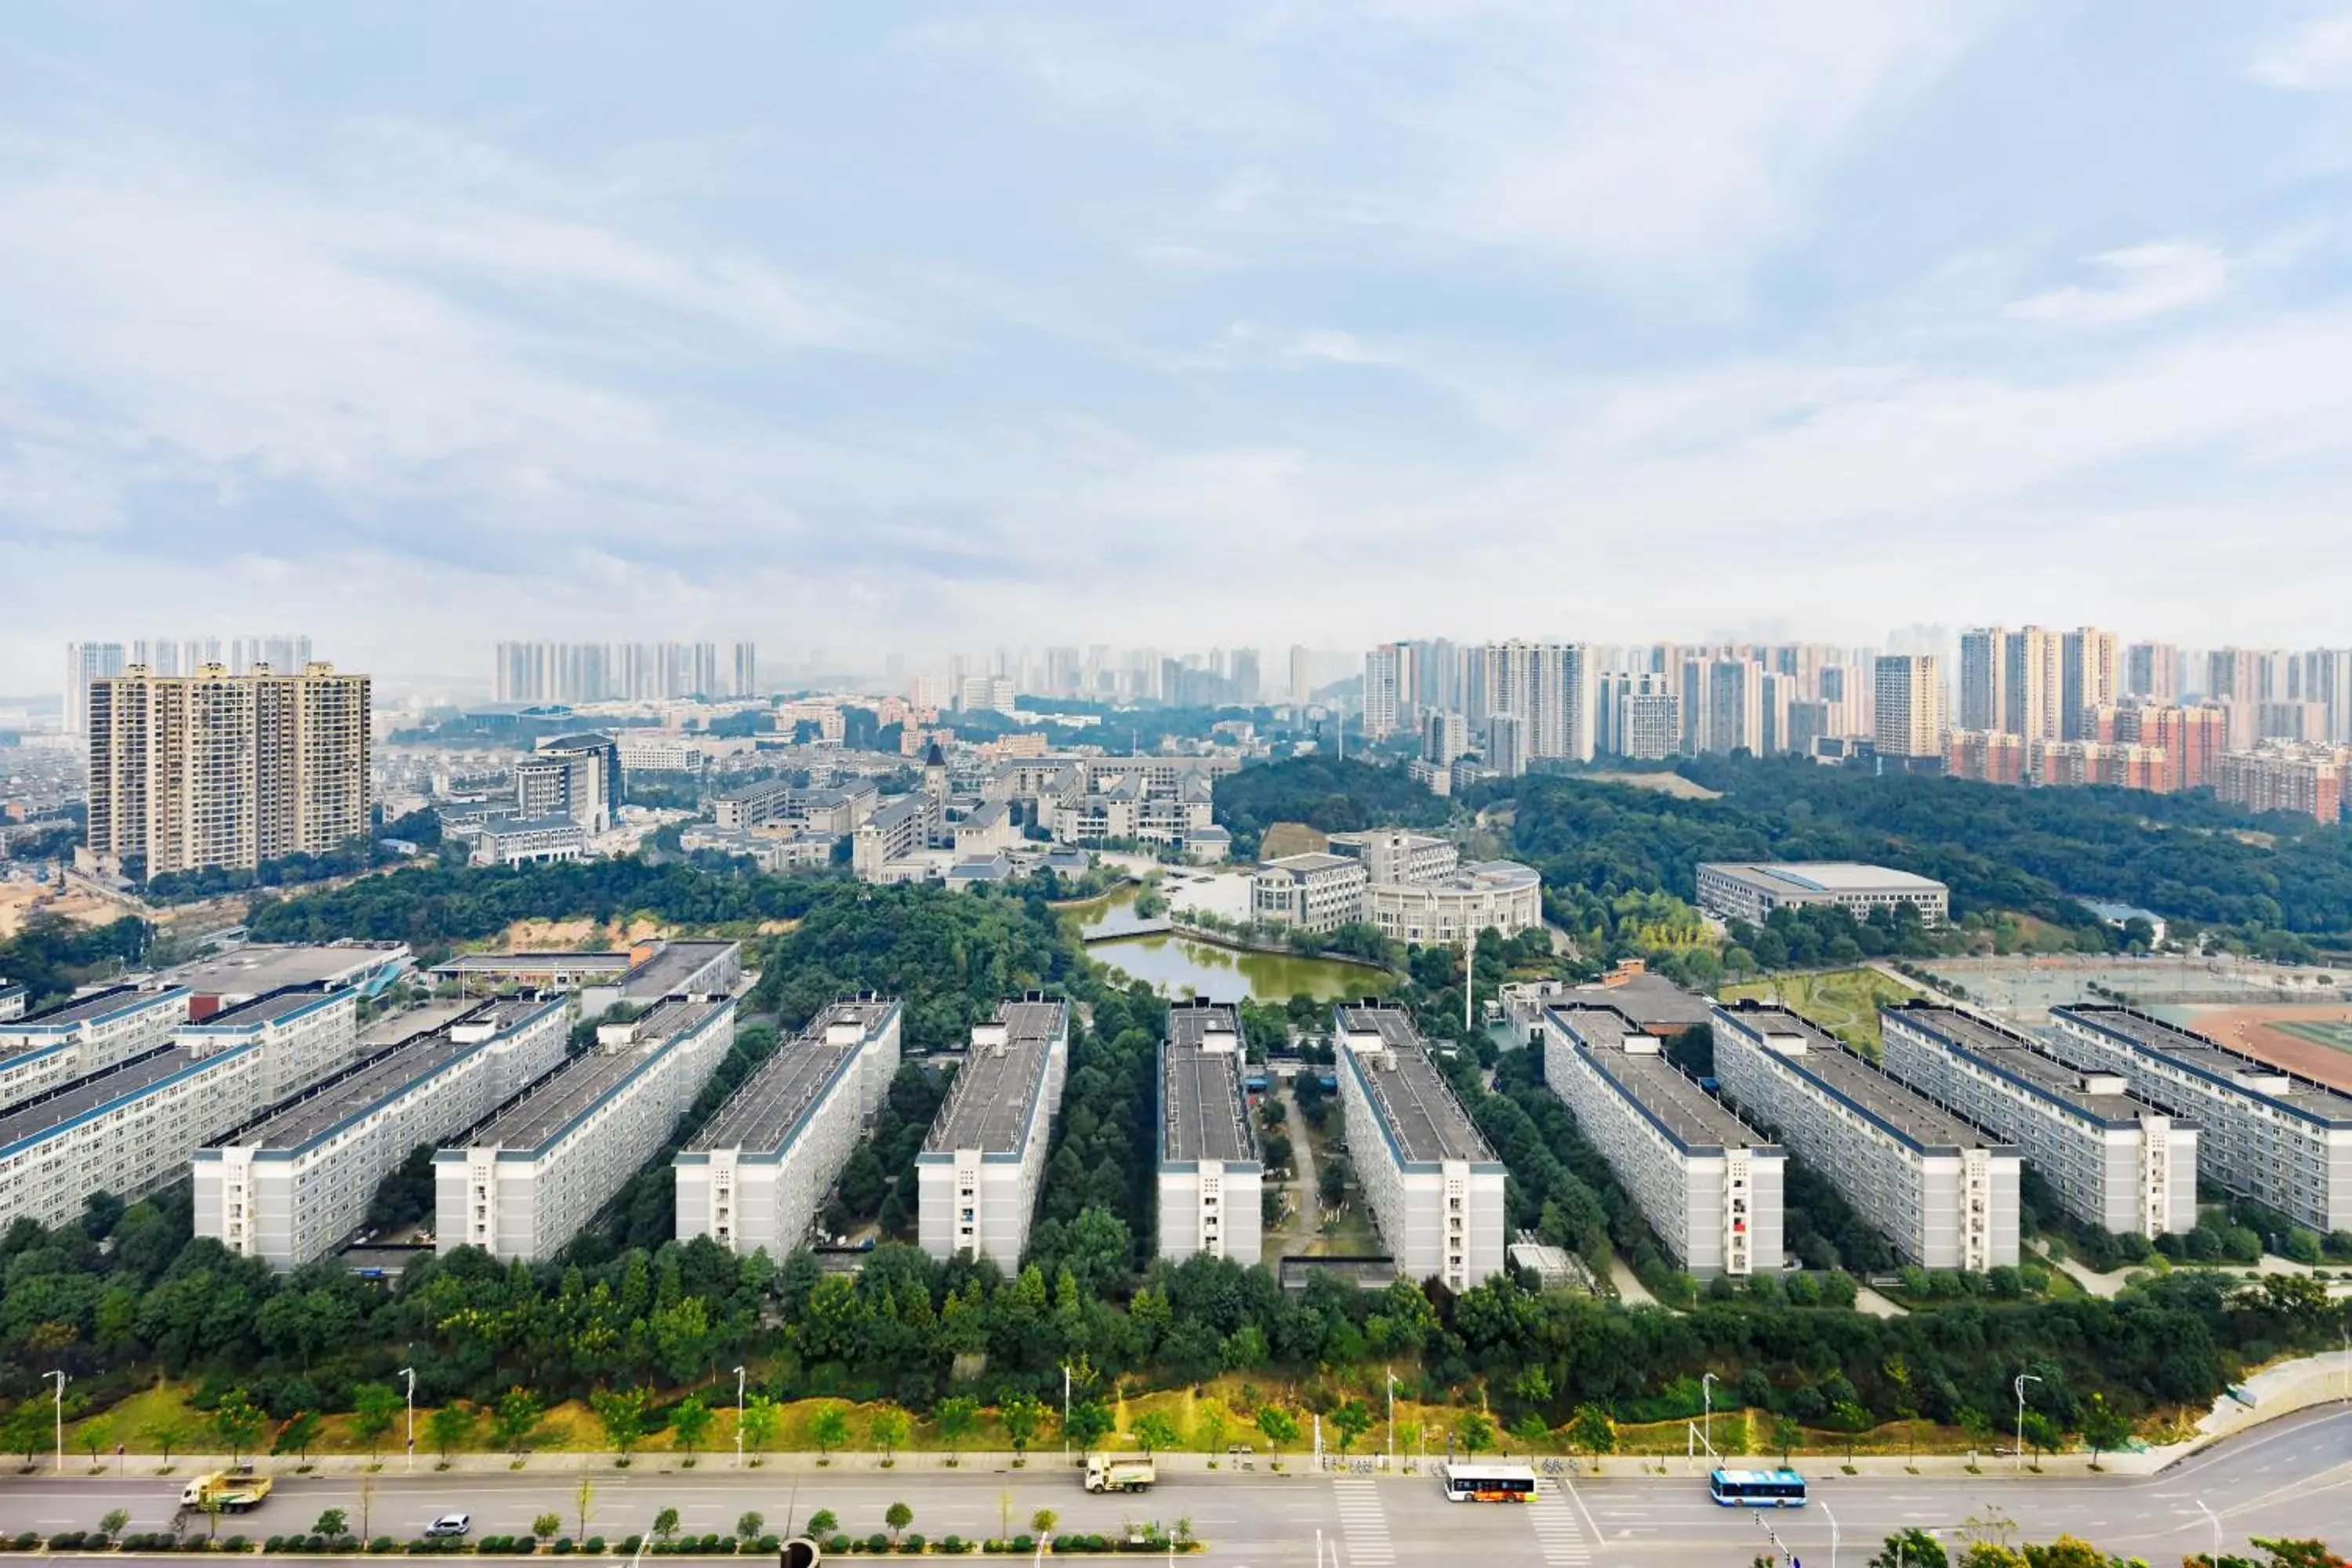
2262,1132
1397,854
1311,892
524,1185
1434,1185
1751,890
755,1176
524,841
1711,1188
87,1034
1492,895
981,1164
2111,1160
291,1187
1942,1195
1212,1175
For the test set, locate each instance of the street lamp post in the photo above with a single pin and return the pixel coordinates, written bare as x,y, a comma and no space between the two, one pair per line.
1392,1377
2215,1521
60,1376
1707,1401
1833,1533
410,1373
2022,1379
1065,1414
739,1418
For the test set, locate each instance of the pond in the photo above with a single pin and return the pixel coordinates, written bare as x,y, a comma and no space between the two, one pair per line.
1180,966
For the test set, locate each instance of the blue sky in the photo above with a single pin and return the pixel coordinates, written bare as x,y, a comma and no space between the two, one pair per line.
873,326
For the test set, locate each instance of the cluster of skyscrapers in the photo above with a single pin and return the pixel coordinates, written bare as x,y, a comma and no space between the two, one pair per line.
572,673
88,661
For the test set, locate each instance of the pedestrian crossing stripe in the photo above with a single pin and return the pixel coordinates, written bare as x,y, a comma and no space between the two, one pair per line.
1557,1531
1363,1523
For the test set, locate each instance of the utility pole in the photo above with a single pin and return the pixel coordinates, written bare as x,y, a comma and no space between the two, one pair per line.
60,1376
1706,1398
2022,1379
1833,1535
1065,1414
1392,1377
410,1373
1469,979
739,1418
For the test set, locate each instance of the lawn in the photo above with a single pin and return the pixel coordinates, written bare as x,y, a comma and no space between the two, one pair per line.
1845,1001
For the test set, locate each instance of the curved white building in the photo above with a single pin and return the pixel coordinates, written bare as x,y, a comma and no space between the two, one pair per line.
1501,894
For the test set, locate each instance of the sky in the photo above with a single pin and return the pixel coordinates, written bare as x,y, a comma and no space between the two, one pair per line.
897,327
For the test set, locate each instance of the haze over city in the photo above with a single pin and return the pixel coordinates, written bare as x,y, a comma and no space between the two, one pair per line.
902,327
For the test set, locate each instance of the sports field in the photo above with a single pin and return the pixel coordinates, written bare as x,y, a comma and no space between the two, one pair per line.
2314,1040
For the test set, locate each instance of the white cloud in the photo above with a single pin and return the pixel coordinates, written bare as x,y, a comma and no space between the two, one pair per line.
2316,57
2145,280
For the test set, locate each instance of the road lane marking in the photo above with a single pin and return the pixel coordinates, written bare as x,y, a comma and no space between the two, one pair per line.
1363,1523
1557,1531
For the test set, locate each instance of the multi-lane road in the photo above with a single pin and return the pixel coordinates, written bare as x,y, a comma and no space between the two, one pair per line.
2290,1476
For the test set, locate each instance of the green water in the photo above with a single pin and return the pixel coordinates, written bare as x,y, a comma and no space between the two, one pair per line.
1182,967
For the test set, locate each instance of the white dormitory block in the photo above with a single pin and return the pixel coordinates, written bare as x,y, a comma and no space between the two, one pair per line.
307,1033
2111,1158
289,1189
1711,1188
87,1034
1942,1195
981,1162
1434,1188
524,1185
754,1177
2262,1132
1211,1174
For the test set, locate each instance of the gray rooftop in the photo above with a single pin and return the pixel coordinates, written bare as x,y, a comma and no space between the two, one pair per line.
1828,1062
99,1088
415,1058
765,1114
1203,1108
2210,1056
1409,1095
676,963
1826,876
533,963
538,1117
989,1105
258,967
1651,1000
97,1004
270,1009
413,1024
1646,1077
2021,1057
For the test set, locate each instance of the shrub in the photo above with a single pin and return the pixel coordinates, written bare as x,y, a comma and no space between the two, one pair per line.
563,1546
594,1546
25,1541
877,1541
911,1542
838,1545
1024,1542
629,1543
769,1544
954,1546
66,1541
381,1543
239,1543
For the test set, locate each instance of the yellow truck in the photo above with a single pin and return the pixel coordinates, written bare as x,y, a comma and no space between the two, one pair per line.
1119,1472
234,1492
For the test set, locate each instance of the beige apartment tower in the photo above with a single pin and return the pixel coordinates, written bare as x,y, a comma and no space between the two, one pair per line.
213,769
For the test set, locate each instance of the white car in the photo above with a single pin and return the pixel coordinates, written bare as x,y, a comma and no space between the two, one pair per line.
447,1525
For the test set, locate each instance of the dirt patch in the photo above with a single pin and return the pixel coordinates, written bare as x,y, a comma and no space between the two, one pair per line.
1291,838
2254,1030
20,900
1673,784
578,935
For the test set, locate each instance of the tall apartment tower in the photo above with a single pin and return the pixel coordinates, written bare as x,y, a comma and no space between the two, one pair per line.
2032,695
2090,674
1302,675
1388,695
1910,706
1550,687
213,769
1735,705
2152,672
1984,677
744,672
86,662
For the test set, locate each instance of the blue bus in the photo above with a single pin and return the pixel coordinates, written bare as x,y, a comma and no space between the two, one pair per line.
1757,1489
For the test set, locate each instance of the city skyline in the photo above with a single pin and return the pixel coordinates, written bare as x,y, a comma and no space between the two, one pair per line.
898,331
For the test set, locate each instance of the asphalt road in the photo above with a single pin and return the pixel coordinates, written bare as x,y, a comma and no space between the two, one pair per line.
2292,1476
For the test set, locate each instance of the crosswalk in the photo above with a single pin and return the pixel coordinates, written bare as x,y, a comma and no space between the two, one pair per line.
1557,1529
1362,1522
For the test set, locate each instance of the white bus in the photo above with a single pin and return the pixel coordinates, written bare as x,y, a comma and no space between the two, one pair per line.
1757,1489
1489,1483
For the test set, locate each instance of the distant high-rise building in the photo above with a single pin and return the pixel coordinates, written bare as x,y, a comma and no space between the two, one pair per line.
1245,678
2151,672
1910,693
1506,745
1735,705
86,662
1302,675
2033,694
213,769
1444,736
1388,691
2234,678
1550,687
1983,676
744,671
2090,675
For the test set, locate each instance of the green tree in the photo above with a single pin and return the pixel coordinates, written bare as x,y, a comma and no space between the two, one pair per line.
449,1428
829,1429
1042,1523
1022,1414
898,1516
1352,1421
1911,1547
621,1413
761,1423
1279,1426
2104,1428
547,1526
1591,1430
1850,1419
514,1418
212,1504
748,1525
957,1416
1155,1432
333,1523
297,1435
2041,1433
583,1499
1475,1431
374,1407
112,1521
665,1524
165,1434
889,1429
236,1425
823,1523
97,1432
1787,1436
1090,1423
690,1422
1531,1430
